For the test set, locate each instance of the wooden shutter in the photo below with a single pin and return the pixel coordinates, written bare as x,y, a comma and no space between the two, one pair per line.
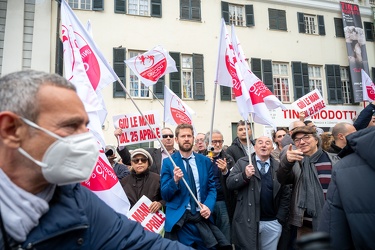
249,11
184,9
267,74
300,73
225,93
120,69
301,22
339,28
334,86
256,67
158,88
120,6
322,29
225,12
175,77
369,31
195,10
156,8
198,77
97,4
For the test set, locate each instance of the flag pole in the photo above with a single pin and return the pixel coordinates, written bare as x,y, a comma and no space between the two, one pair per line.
248,142
210,147
158,139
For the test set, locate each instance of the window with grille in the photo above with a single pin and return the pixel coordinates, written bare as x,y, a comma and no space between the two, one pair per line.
139,7
281,81
236,15
80,4
315,78
136,87
310,24
187,76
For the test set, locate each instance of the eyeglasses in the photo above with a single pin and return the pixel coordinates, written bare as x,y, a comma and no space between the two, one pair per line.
217,141
304,138
166,136
279,136
199,140
137,160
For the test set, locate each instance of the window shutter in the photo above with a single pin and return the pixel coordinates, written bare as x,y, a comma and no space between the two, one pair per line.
156,8
297,80
281,19
195,10
267,74
256,67
97,4
350,87
225,93
272,18
301,22
184,9
373,74
175,77
120,6
322,29
339,28
158,88
198,77
249,11
334,87
225,12
120,69
277,19
369,31
305,78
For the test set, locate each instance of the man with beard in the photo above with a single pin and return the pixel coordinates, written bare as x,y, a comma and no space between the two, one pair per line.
239,148
185,220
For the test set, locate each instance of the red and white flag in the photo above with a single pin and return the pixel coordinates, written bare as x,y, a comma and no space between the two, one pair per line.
261,97
368,87
152,65
175,110
228,73
87,69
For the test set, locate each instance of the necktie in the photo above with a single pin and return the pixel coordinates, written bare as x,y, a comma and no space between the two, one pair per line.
193,204
263,167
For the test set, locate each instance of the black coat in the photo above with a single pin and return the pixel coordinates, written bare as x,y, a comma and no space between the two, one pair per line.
349,212
236,151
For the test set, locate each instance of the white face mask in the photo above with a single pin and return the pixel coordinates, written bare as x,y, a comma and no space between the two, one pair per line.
68,160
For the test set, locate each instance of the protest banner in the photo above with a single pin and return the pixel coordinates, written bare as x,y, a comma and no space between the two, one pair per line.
135,129
140,212
310,103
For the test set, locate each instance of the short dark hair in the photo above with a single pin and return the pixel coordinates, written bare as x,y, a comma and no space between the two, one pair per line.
183,126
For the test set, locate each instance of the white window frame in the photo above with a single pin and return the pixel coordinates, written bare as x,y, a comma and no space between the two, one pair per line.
187,90
136,88
311,24
139,7
80,4
237,15
281,83
345,81
316,78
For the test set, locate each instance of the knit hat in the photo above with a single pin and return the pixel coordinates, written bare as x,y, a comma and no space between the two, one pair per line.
141,151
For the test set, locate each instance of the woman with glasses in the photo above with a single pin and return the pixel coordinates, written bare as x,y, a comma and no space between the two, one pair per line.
141,181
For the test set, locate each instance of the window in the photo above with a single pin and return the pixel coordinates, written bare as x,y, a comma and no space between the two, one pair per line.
190,9
315,78
277,19
86,4
281,81
188,82
339,27
136,87
238,15
138,7
346,85
311,24
369,31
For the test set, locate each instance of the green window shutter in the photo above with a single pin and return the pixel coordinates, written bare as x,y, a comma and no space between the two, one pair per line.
225,93
198,77
350,87
120,69
158,88
282,20
334,86
339,28
256,67
175,77
322,29
249,11
195,10
225,12
272,18
301,22
297,80
369,31
184,9
156,8
267,74
97,4
277,19
305,78
120,6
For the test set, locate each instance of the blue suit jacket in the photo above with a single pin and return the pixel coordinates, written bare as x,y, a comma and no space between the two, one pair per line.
178,196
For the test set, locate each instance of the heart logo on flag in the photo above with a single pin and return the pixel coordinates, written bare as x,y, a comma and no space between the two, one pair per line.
370,92
103,177
151,65
259,91
178,112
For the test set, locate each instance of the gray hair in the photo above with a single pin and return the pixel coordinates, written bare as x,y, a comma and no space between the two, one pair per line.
18,91
207,136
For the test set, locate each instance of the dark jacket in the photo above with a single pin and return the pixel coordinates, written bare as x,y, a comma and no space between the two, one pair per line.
334,148
137,185
78,219
364,117
236,150
156,157
246,218
349,212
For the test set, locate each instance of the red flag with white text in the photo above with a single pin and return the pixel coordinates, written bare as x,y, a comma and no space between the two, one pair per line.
175,110
152,65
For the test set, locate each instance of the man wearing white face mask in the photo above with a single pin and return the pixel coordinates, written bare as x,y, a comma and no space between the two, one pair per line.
45,151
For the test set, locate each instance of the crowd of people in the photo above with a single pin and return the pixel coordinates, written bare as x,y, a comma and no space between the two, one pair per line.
259,193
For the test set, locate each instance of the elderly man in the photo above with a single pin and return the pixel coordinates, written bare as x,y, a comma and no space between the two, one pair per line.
199,145
45,148
308,168
339,133
261,203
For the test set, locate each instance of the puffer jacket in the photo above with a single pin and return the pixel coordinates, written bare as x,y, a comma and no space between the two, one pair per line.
349,212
